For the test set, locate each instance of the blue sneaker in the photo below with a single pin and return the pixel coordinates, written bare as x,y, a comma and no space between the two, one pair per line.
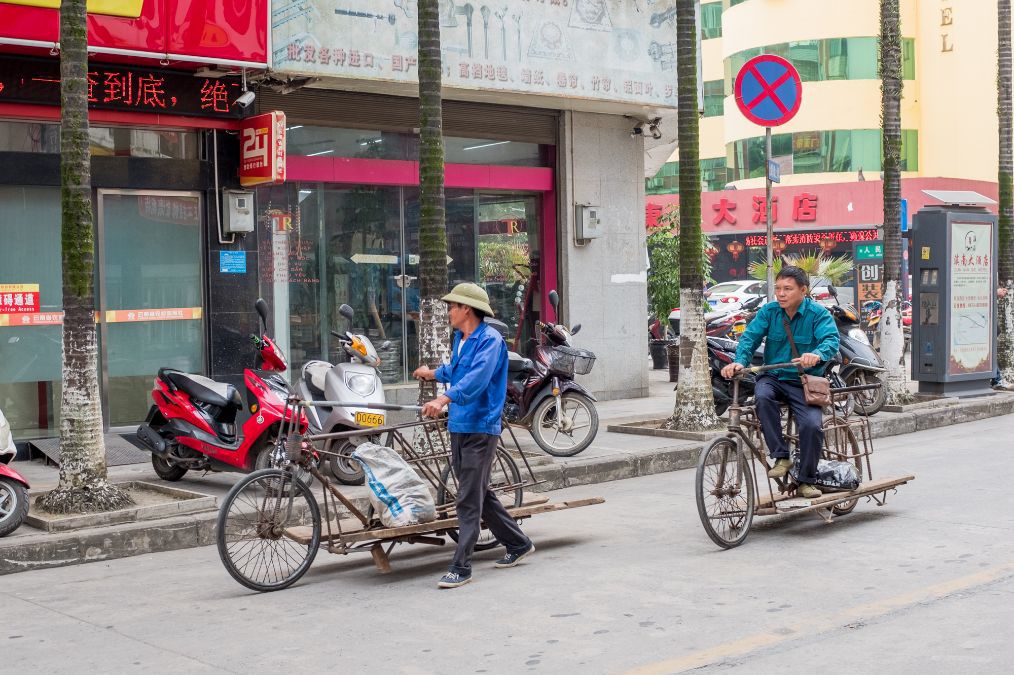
453,580
512,559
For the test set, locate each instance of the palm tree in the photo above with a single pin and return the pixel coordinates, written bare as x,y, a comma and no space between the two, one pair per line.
892,339
434,333
83,486
1005,345
695,404
814,264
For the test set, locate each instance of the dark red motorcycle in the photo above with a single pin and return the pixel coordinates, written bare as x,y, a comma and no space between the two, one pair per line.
193,422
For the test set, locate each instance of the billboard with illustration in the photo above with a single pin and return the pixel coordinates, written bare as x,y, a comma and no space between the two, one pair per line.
602,50
971,319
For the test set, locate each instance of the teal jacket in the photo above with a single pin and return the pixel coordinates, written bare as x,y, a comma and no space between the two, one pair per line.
813,328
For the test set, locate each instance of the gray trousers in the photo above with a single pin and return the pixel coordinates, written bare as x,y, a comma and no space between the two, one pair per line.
472,458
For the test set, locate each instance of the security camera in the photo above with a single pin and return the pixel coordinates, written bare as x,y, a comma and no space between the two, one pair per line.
636,131
245,99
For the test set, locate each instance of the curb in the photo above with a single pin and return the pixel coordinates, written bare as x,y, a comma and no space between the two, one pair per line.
43,551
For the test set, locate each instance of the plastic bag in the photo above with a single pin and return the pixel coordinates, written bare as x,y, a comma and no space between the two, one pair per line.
397,493
834,474
6,438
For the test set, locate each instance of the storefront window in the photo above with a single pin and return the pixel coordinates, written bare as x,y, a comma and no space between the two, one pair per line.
667,180
838,151
29,137
104,141
30,354
854,58
325,245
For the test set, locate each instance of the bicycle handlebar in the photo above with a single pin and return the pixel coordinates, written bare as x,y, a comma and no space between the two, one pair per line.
765,368
361,404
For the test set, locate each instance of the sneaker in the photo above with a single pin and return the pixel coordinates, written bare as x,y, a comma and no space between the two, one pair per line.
453,580
512,559
807,491
780,469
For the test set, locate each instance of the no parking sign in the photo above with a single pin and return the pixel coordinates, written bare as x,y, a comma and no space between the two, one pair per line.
768,90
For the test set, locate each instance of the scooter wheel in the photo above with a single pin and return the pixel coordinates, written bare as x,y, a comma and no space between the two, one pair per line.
583,424
167,471
13,505
345,470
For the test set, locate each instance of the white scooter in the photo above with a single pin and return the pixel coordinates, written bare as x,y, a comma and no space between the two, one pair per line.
354,380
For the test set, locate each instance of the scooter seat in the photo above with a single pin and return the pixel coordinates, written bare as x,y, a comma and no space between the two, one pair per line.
315,375
517,363
203,389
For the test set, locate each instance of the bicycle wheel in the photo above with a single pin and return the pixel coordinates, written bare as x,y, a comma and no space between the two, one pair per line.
725,492
841,444
252,539
505,474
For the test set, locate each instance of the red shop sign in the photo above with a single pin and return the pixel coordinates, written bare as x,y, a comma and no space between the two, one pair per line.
262,149
19,298
208,31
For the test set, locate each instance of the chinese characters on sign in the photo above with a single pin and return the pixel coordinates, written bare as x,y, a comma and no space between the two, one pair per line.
19,298
25,80
804,209
815,237
262,148
971,311
179,210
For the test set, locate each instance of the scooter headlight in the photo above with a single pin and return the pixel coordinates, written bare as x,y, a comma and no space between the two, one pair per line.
362,384
859,335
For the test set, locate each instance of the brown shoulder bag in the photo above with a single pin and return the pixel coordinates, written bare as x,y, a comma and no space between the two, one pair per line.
816,389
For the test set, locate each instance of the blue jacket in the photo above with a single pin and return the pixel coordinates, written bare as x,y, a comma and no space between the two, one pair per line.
813,328
478,379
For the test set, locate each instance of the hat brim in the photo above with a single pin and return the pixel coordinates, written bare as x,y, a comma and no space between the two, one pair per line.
471,302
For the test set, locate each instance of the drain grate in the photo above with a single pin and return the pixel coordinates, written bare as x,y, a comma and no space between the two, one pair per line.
120,450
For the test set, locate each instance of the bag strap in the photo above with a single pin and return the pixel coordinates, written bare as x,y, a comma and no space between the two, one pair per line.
792,342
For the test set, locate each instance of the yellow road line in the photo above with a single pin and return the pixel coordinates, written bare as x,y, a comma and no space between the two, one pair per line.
818,625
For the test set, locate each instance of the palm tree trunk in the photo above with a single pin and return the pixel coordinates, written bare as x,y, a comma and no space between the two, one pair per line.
83,486
695,404
892,339
434,333
1005,343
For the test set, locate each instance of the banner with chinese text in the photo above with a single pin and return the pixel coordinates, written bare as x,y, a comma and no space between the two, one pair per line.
971,312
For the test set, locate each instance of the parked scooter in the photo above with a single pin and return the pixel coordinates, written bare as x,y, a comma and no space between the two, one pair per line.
13,486
859,364
542,395
352,381
192,424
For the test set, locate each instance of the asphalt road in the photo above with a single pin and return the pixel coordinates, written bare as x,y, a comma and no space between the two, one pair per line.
923,584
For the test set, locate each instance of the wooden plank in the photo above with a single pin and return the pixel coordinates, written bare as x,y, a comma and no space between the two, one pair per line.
301,534
831,498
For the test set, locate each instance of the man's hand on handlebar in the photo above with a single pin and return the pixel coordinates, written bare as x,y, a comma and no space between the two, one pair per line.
807,360
435,407
424,373
730,370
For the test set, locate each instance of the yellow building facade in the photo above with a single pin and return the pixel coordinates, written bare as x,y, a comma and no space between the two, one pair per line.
948,114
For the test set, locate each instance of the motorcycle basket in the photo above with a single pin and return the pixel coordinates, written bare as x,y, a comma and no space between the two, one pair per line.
570,361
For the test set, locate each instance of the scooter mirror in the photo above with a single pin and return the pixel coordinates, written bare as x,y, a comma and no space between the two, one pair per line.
346,311
554,300
575,329
833,291
262,310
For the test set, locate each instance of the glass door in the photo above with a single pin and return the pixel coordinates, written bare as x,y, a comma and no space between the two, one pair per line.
149,294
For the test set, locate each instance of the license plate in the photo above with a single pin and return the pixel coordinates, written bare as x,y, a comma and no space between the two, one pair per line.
739,328
369,419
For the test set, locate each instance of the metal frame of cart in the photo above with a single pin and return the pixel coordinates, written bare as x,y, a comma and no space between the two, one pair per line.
270,525
728,468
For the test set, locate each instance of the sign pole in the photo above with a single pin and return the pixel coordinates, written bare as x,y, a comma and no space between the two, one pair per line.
767,209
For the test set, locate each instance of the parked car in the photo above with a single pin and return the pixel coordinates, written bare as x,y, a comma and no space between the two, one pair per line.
721,296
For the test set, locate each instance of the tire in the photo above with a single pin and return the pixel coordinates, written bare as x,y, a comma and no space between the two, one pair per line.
559,443
345,470
167,471
264,462
725,492
251,524
13,505
841,444
867,402
505,472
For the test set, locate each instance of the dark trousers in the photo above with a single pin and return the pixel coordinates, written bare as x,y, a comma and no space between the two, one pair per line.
472,458
769,393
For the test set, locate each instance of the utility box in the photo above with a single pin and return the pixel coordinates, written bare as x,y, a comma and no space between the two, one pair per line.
954,272
239,212
588,225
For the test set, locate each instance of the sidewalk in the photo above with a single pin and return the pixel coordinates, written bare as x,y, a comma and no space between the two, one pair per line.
613,456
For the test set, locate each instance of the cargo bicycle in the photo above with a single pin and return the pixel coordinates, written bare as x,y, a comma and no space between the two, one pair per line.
271,524
727,482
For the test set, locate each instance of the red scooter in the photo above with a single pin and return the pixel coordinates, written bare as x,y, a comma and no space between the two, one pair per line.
193,422
13,496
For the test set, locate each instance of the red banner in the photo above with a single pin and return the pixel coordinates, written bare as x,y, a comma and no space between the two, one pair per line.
262,149
19,298
203,31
